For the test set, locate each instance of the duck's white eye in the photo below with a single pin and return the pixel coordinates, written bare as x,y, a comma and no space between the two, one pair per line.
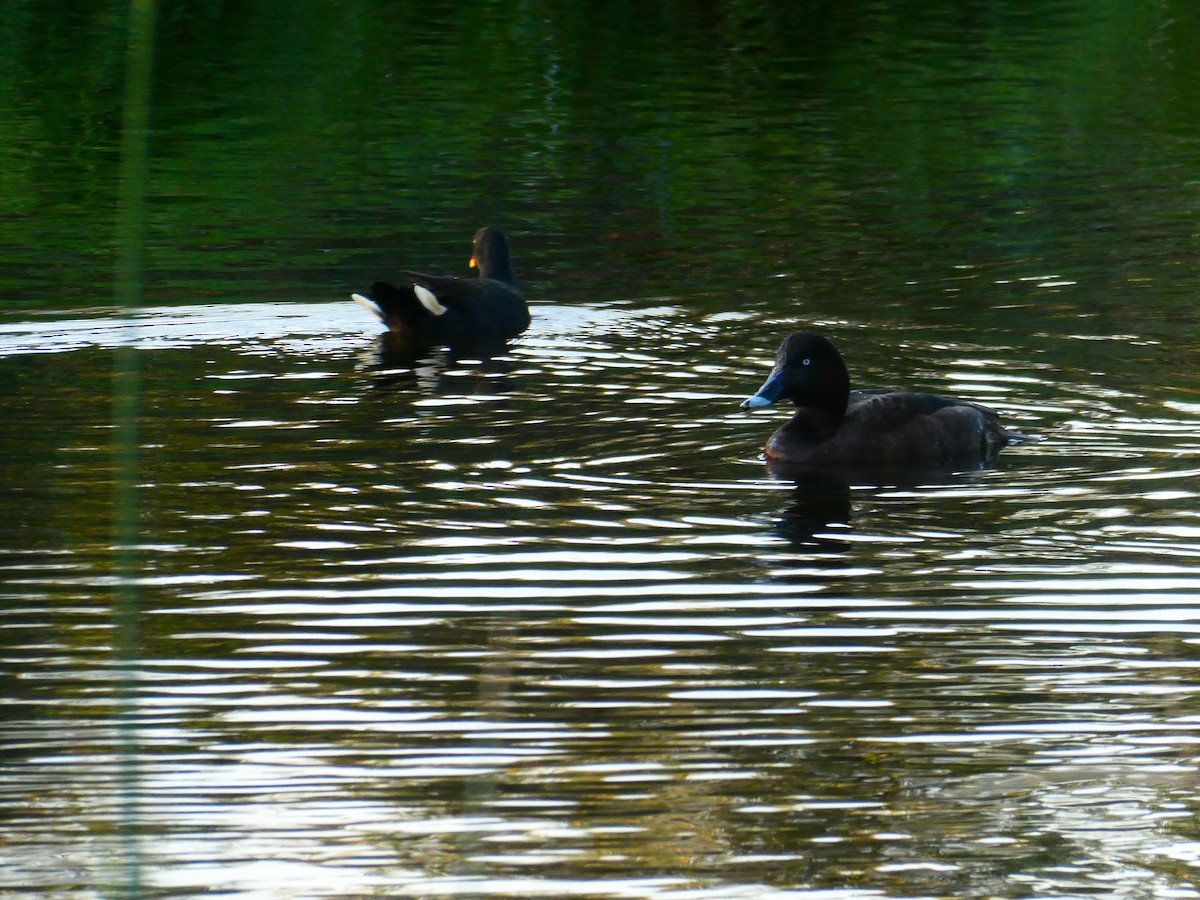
807,361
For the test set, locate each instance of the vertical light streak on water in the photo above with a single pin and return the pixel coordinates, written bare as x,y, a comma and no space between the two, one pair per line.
130,239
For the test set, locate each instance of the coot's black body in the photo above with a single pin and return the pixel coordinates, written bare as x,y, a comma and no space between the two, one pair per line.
430,309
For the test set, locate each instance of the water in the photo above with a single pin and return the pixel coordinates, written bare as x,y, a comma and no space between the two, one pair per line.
545,624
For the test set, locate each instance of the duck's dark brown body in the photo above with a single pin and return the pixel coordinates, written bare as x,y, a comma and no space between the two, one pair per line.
875,428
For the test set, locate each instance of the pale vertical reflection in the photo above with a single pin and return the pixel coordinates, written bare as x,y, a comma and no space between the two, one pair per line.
130,240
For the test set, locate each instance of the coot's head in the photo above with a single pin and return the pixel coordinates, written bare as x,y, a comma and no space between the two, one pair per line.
490,254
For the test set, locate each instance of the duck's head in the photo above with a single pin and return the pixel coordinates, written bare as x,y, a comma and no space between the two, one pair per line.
810,372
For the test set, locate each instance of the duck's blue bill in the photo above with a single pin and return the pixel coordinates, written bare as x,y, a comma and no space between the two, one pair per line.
768,393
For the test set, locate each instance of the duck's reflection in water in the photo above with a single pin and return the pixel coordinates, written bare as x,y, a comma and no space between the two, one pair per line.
819,508
819,517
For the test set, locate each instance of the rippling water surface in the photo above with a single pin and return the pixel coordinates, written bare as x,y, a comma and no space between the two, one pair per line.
542,623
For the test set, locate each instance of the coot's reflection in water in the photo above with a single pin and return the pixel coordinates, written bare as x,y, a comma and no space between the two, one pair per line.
399,362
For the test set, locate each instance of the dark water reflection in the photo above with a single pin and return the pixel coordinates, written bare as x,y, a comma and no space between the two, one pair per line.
537,620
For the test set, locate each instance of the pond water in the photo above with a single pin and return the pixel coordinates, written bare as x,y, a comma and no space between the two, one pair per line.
288,616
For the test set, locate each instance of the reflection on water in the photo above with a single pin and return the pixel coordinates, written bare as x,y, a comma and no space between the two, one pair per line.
543,624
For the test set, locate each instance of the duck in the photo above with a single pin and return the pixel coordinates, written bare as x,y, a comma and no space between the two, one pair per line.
881,428
431,309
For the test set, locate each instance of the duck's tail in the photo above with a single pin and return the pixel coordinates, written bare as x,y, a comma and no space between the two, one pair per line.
400,307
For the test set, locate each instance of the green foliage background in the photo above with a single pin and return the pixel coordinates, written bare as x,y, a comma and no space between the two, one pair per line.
298,148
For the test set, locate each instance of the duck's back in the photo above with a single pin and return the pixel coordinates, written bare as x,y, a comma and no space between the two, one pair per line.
896,428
